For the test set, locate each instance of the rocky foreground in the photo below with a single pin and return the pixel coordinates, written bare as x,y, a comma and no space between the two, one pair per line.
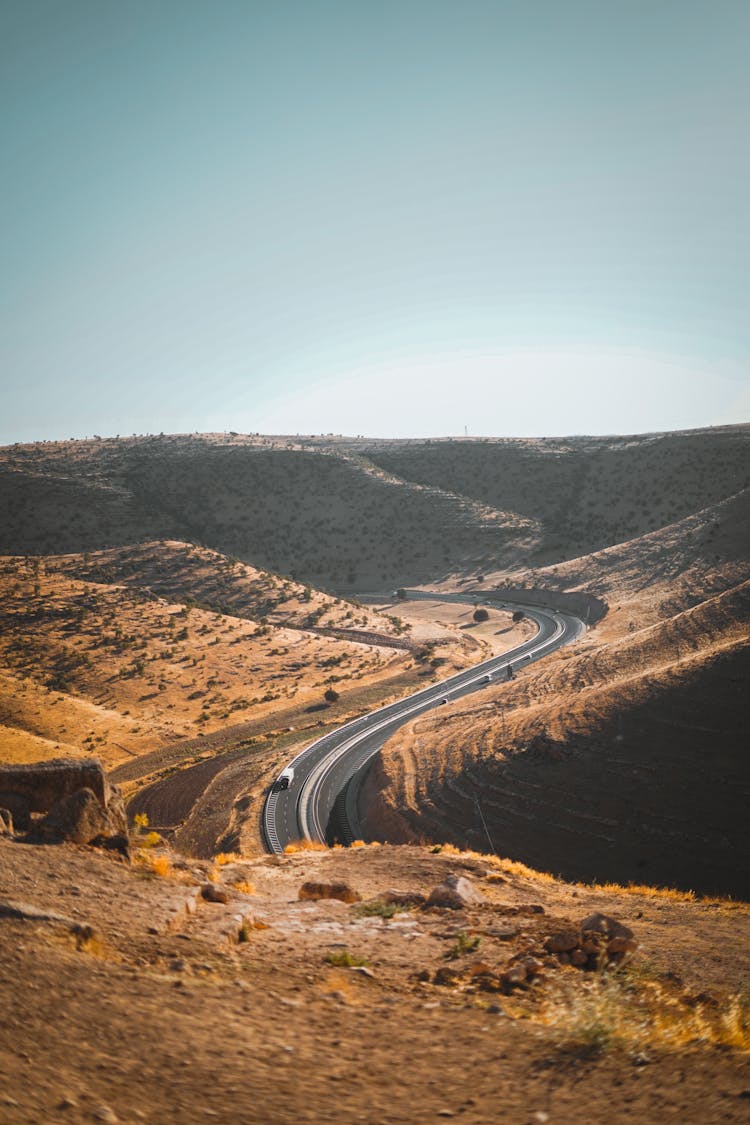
376,984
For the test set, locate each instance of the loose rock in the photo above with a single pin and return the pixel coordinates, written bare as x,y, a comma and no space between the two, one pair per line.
341,891
563,941
211,893
455,893
79,819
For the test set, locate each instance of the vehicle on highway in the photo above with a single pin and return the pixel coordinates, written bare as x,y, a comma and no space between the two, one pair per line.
486,679
284,780
443,700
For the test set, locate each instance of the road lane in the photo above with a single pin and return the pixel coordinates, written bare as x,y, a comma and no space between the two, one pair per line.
328,773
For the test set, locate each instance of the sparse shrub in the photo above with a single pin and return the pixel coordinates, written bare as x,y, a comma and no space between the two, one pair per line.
464,944
244,887
226,857
376,908
331,695
343,959
480,615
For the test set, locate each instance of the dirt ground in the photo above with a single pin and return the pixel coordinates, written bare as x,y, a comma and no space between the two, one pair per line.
436,622
159,1014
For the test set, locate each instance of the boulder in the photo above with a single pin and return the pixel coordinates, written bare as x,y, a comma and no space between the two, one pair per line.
446,977
18,808
514,977
42,785
402,898
455,893
341,891
120,844
80,818
618,937
480,969
563,941
211,893
534,967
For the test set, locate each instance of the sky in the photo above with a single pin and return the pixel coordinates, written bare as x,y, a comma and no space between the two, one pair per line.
383,217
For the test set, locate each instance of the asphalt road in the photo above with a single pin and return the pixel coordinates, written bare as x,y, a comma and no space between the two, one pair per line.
321,802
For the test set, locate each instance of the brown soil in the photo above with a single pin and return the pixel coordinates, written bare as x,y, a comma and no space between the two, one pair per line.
93,664
158,1014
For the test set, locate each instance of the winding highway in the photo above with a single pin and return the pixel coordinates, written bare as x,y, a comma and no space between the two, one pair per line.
321,801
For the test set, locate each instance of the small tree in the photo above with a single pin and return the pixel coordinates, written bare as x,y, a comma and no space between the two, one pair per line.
401,593
481,615
518,616
331,695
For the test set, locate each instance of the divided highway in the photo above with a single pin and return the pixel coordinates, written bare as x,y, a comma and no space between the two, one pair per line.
321,801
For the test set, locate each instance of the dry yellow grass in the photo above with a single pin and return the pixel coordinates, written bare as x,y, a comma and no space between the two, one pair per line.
92,666
159,865
223,858
628,1010
244,886
304,846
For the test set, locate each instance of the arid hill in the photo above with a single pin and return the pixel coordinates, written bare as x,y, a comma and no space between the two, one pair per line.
365,515
624,757
146,616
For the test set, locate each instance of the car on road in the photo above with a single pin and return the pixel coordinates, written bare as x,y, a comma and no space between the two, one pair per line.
443,700
284,780
486,679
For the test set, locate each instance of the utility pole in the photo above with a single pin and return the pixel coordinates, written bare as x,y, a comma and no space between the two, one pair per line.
484,825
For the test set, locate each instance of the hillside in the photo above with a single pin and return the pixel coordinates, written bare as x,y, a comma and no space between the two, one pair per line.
149,614
130,996
625,757
586,493
347,514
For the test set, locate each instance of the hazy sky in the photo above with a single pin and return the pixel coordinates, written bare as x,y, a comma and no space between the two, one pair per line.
374,217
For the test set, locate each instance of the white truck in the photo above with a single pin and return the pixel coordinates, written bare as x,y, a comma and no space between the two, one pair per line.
284,780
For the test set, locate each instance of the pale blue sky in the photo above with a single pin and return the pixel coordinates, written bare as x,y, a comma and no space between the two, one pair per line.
390,218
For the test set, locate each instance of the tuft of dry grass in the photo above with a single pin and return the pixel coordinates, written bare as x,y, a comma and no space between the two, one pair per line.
158,866
223,858
304,846
635,1009
343,959
244,887
515,867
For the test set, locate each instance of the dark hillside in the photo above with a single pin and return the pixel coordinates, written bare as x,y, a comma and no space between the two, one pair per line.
588,493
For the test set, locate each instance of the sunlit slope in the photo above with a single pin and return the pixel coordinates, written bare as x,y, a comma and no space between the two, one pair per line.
123,651
655,575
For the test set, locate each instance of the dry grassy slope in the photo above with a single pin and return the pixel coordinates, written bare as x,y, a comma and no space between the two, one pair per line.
588,493
45,512
347,513
182,572
91,665
327,516
324,517
627,761
655,575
